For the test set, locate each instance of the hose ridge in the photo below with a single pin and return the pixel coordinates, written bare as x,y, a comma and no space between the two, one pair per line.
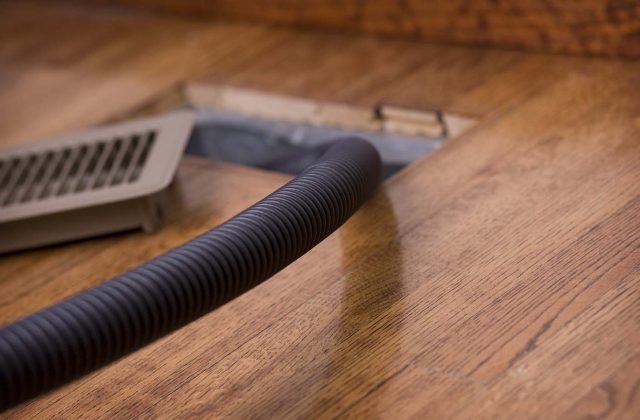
95,327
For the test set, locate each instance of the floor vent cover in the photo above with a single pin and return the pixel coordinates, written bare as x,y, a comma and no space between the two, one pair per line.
90,183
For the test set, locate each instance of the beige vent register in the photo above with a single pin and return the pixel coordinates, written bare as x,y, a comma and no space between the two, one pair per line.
90,183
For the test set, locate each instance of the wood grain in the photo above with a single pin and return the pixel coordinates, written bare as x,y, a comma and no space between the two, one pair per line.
608,27
497,278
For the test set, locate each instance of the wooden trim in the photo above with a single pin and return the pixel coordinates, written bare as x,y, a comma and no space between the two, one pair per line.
380,119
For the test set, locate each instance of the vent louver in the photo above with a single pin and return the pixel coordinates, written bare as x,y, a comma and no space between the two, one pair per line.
99,181
72,170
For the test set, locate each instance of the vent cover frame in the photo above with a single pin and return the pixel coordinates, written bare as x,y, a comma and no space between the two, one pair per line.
102,206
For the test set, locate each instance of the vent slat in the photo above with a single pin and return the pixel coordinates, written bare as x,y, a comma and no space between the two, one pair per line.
23,180
112,154
16,175
31,178
40,168
56,165
4,172
102,160
71,177
47,168
116,167
127,157
51,165
75,185
140,146
137,165
88,175
68,162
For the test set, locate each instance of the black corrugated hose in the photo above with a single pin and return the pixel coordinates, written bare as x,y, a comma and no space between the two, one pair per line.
95,327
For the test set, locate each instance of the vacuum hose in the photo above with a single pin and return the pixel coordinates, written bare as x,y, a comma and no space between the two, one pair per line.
97,326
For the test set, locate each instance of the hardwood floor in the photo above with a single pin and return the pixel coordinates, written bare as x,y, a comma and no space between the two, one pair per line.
498,277
608,27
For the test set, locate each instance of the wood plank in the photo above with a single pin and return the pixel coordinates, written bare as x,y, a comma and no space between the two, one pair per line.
497,277
615,397
608,27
